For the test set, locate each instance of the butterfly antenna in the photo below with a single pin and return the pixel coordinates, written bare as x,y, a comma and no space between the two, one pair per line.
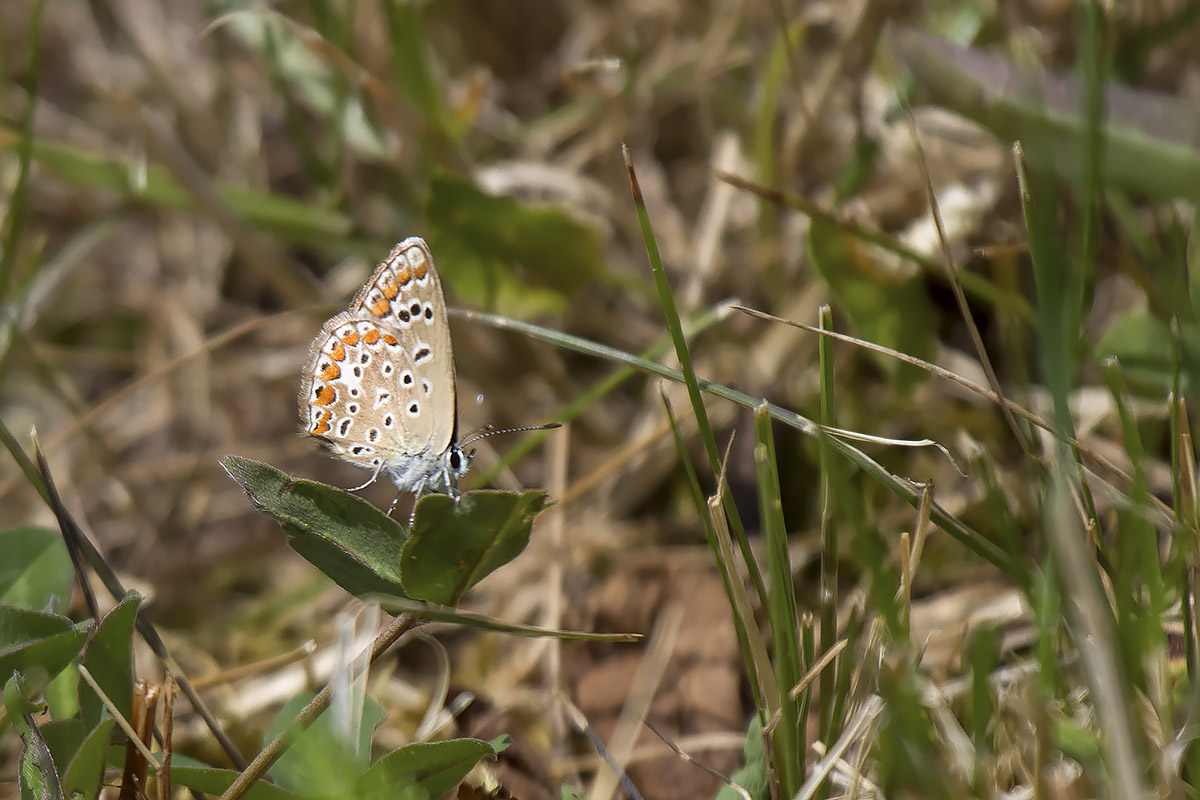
492,430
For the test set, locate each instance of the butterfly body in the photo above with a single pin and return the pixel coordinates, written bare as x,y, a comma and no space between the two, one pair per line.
379,389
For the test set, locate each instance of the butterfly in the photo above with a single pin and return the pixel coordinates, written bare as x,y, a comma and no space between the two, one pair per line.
379,388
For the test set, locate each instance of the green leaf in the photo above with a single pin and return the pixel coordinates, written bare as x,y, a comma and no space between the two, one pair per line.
480,238
37,644
1139,339
85,772
454,545
434,767
319,762
63,737
37,776
36,571
413,69
196,775
885,309
1142,342
109,657
753,774
1078,743
19,625
62,694
353,542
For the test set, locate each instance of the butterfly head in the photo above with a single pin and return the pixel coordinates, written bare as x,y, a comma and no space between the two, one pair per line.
456,463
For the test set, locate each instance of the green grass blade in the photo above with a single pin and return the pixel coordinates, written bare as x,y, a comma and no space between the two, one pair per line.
667,300
1093,627
293,116
768,688
829,530
412,70
781,610
1093,63
15,218
294,220
1141,529
743,617
481,622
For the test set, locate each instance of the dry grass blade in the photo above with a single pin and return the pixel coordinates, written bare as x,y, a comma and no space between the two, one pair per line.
745,795
960,297
856,733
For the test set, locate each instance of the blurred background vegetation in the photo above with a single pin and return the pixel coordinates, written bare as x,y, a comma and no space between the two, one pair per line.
190,188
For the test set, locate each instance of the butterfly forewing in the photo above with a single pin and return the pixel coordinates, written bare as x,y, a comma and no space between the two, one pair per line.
379,389
405,294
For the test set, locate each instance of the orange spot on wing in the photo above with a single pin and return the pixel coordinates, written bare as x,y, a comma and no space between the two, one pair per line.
322,424
351,338
390,290
326,395
371,336
403,276
331,373
389,339
380,307
419,270
339,352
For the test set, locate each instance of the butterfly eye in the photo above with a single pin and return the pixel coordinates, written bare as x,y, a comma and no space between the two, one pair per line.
455,460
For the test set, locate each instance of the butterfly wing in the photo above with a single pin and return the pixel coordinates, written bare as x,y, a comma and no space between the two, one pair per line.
404,295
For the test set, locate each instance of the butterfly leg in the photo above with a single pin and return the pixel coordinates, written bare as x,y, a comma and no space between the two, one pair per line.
371,480
451,485
418,491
